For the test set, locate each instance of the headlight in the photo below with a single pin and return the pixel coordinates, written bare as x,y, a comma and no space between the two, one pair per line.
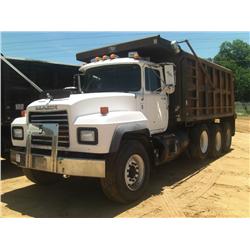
87,136
17,133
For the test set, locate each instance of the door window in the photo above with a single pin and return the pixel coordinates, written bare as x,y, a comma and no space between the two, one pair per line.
152,79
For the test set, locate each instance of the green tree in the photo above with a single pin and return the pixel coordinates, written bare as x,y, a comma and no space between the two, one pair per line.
236,56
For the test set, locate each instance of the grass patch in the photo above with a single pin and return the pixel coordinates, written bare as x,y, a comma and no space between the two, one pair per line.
242,108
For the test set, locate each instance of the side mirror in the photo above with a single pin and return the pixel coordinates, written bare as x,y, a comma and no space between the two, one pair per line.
77,81
169,73
175,46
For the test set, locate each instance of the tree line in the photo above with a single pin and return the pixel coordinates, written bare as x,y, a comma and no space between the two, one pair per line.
235,55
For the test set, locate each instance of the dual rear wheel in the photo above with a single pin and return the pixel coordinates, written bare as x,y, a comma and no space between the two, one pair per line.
210,140
216,141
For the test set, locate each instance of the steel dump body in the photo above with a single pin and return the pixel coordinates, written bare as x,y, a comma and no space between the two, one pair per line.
196,98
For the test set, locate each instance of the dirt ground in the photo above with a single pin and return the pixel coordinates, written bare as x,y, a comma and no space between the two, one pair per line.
182,188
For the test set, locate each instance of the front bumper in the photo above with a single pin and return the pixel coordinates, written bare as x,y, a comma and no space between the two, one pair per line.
53,163
60,165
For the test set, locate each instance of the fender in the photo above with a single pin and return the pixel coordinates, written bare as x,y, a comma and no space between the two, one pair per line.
135,128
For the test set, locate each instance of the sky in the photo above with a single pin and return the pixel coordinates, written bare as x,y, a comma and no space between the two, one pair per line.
63,46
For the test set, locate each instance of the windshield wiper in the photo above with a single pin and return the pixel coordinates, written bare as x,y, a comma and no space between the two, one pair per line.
93,77
96,77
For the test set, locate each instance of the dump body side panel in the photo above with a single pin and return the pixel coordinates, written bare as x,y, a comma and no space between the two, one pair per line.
195,98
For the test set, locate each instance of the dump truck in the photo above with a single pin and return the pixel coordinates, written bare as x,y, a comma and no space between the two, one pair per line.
135,106
17,94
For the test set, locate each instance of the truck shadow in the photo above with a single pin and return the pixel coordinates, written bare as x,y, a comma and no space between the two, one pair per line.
83,197
9,170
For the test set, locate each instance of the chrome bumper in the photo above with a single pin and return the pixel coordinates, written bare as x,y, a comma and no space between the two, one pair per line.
67,166
53,163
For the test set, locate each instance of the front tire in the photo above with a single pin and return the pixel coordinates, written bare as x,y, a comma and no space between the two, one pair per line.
127,173
41,177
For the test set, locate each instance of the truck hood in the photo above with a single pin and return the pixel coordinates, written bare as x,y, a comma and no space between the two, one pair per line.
85,104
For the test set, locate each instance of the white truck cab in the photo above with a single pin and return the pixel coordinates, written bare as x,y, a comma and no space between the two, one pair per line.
145,81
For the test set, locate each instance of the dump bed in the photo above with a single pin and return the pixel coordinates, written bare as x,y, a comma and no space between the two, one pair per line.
196,98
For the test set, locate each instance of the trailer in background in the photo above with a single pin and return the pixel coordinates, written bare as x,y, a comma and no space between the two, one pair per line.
16,93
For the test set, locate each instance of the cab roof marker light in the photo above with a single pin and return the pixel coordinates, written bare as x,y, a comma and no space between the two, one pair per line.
133,54
96,59
113,56
105,57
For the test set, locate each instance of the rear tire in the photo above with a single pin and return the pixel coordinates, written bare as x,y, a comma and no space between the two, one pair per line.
127,174
226,137
41,177
216,141
200,142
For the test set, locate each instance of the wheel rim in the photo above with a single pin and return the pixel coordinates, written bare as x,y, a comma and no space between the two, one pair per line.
134,172
228,137
218,141
204,142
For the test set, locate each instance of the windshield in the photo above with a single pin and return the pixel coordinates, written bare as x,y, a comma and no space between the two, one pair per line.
112,78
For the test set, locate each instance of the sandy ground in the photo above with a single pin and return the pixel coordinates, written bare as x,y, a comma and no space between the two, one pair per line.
182,188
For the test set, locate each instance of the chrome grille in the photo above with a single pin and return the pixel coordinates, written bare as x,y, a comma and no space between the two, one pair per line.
59,117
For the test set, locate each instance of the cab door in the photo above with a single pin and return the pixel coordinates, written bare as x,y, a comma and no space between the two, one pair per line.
155,103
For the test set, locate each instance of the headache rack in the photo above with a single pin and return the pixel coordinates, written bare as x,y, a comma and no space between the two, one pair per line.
54,117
